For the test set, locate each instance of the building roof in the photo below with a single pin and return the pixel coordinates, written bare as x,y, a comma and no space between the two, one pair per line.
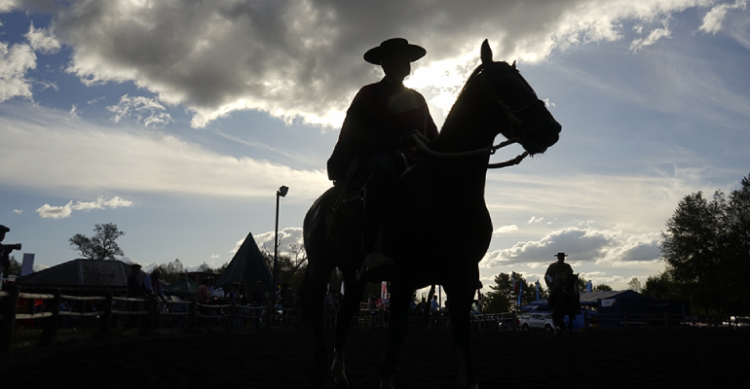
81,273
591,298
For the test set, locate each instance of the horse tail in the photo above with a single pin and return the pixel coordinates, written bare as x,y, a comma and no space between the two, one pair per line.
311,293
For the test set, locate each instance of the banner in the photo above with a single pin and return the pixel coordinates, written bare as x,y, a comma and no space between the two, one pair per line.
383,290
588,286
520,292
537,290
28,264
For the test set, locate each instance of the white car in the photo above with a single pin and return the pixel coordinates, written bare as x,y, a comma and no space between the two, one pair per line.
536,321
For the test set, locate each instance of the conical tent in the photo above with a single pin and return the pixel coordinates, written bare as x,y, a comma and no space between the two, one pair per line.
248,265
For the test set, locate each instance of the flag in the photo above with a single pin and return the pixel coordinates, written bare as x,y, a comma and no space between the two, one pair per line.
383,290
28,264
537,290
588,286
342,288
515,286
520,292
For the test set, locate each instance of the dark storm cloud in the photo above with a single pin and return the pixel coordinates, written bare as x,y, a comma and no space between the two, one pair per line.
303,59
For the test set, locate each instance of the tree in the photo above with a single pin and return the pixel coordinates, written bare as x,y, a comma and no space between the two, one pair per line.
659,287
172,271
15,266
693,250
502,297
602,288
101,246
634,284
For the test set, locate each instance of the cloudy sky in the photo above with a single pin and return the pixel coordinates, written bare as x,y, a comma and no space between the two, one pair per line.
179,120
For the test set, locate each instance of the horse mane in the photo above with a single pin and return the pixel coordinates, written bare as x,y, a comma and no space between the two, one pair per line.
463,100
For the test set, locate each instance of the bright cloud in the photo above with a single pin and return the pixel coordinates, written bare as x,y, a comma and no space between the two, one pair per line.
287,237
47,211
146,110
506,229
714,18
146,161
15,61
41,40
654,36
18,211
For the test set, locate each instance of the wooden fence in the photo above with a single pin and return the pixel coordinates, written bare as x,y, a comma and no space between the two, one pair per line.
145,308
228,316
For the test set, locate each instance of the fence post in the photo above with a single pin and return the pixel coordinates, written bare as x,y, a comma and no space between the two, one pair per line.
50,324
232,308
150,308
8,309
106,318
191,316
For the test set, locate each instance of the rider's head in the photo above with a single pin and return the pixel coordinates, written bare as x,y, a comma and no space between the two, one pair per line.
561,257
395,56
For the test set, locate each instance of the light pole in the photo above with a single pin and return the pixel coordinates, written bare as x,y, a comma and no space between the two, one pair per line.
272,304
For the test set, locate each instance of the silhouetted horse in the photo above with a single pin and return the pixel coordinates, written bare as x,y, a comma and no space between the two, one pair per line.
437,227
568,304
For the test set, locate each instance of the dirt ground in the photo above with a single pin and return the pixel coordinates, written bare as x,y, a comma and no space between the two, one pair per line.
282,358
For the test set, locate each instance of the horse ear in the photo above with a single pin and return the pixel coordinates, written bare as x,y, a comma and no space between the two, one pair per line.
514,64
486,53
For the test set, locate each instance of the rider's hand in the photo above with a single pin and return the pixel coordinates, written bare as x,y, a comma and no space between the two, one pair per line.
407,140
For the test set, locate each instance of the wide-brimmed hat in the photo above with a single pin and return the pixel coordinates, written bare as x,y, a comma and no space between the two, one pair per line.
135,266
561,255
375,54
4,228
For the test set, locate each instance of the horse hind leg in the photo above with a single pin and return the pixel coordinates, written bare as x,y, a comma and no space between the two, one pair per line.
310,303
349,306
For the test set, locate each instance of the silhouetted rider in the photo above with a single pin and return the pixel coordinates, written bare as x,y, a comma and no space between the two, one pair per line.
376,133
554,277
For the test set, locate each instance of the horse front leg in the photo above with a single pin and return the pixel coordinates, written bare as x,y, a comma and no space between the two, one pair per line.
397,331
350,306
460,310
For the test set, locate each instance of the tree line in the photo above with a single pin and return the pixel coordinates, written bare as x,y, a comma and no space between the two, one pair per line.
706,250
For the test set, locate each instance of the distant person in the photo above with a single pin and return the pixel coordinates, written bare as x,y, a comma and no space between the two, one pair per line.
135,287
152,285
5,251
287,298
202,297
554,276
135,290
434,306
256,301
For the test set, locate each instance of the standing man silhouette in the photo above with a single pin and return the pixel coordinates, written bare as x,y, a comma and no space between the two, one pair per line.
376,136
554,277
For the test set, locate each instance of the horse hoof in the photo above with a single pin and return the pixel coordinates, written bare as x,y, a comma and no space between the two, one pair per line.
386,383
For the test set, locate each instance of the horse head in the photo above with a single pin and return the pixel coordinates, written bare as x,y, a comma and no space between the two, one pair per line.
570,284
530,121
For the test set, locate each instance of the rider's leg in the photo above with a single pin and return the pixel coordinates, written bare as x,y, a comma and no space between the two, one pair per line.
384,171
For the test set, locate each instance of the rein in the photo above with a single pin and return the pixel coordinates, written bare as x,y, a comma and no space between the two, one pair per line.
510,116
489,150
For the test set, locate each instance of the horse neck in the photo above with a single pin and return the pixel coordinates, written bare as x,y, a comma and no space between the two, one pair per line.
468,128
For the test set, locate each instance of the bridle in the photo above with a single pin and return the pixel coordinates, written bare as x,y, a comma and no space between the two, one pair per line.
509,114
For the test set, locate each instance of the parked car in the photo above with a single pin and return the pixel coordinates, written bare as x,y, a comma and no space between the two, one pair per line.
536,321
